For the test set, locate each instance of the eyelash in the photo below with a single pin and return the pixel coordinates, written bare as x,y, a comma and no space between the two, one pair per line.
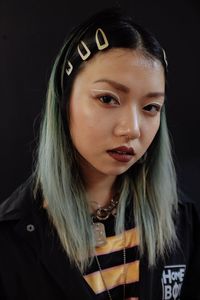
155,106
110,98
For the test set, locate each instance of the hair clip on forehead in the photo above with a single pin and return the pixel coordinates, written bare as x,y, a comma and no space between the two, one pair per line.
100,46
165,57
87,54
105,44
69,69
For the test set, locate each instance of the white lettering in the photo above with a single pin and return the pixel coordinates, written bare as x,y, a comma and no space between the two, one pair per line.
167,275
168,292
174,276
175,291
181,274
172,292
172,279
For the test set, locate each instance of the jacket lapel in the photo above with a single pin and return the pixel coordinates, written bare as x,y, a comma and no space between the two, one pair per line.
38,233
58,266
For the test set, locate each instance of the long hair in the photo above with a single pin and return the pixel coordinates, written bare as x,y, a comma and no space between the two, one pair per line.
151,184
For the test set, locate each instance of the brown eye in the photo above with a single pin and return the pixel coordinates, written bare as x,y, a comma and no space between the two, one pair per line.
153,108
106,99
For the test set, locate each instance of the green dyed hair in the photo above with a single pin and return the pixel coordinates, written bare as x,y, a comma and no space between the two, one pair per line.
151,185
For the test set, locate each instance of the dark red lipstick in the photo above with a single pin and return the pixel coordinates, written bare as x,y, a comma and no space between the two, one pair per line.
122,154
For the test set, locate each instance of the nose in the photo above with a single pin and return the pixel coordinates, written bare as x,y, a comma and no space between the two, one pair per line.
128,124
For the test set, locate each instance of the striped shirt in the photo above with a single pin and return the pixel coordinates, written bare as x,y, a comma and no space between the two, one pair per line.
114,271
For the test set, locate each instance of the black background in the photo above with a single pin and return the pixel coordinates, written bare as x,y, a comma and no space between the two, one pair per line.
32,32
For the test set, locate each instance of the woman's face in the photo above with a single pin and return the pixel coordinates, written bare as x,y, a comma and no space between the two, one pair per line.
115,109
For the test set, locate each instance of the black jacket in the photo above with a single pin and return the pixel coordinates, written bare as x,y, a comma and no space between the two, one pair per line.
33,265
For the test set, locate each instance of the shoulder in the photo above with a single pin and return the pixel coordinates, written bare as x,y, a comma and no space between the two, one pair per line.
20,216
188,222
19,203
188,206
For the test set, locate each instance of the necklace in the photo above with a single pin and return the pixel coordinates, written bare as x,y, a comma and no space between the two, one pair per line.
101,214
124,273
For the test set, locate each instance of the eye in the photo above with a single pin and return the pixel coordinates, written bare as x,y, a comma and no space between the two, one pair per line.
153,108
107,99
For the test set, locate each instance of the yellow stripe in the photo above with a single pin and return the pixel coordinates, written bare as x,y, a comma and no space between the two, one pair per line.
116,242
113,277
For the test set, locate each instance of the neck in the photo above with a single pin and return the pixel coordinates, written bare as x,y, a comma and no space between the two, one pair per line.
100,188
101,192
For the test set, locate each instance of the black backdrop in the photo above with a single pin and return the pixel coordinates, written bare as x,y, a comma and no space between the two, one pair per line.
31,33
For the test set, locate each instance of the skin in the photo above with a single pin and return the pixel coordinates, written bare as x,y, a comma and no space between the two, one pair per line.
105,115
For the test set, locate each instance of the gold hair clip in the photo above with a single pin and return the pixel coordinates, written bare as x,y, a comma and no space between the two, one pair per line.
87,54
105,44
165,57
100,46
69,69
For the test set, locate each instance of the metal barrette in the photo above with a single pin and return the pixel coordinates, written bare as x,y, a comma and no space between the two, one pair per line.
100,45
87,54
69,68
165,57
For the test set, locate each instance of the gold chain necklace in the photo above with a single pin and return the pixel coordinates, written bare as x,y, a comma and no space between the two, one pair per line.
101,214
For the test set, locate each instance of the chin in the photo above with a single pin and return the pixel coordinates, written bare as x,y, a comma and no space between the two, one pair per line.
116,172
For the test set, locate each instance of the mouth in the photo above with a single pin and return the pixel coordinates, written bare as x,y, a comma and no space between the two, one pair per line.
122,154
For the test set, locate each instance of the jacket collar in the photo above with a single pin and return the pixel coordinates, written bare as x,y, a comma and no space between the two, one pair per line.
18,204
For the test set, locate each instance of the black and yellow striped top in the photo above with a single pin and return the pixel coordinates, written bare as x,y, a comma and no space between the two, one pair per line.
111,260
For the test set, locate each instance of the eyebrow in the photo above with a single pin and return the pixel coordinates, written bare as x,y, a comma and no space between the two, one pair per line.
155,95
116,85
125,89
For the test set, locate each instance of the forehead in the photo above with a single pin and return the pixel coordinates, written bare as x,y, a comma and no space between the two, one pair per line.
123,65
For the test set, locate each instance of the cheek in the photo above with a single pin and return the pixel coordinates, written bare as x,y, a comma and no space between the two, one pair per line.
150,130
87,118
85,123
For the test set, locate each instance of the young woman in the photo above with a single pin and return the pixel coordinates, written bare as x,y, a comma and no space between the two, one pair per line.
101,217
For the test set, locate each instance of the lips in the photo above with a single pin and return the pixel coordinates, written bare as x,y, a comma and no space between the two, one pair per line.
122,154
